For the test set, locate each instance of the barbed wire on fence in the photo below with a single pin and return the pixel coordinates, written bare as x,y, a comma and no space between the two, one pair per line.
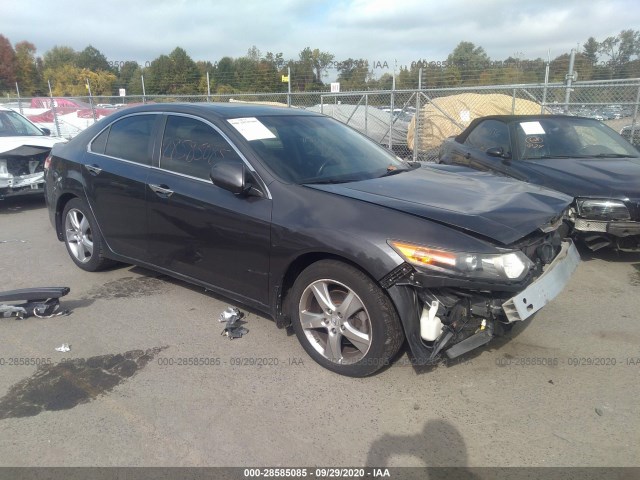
410,122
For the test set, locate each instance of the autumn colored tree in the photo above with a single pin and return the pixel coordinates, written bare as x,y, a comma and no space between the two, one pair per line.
28,76
7,65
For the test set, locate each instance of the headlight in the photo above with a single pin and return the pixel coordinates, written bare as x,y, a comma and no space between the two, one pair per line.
503,266
602,209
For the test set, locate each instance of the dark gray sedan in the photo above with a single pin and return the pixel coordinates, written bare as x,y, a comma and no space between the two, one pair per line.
305,219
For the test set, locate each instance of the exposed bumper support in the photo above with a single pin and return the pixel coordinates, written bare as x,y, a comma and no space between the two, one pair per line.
546,287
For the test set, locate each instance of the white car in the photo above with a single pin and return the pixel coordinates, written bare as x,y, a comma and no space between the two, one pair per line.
23,149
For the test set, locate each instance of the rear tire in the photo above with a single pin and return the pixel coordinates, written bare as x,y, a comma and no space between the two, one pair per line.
343,319
82,237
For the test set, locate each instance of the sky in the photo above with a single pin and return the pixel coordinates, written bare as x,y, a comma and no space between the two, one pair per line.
391,33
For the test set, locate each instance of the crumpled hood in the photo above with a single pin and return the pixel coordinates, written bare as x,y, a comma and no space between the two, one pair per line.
606,177
11,143
499,208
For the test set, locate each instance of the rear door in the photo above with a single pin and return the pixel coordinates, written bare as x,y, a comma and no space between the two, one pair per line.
115,173
200,230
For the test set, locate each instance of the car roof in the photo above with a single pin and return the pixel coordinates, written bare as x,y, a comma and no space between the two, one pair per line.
221,110
520,118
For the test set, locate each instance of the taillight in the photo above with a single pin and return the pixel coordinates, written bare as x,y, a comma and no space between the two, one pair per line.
47,162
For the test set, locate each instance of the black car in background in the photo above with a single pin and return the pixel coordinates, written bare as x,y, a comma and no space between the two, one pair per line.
305,219
581,157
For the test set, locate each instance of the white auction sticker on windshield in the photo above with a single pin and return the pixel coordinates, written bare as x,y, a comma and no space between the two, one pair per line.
251,128
532,128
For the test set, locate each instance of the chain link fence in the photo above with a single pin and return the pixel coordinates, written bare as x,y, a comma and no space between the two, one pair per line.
411,123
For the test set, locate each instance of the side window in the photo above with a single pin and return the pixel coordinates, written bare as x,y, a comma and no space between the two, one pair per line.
489,134
191,147
98,144
130,137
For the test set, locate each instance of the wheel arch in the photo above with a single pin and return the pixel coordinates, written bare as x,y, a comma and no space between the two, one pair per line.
60,204
293,270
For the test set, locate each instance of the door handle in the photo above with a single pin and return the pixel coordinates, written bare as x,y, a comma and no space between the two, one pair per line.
161,190
93,169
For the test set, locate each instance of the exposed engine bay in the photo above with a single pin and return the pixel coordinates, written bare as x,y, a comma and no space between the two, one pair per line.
22,170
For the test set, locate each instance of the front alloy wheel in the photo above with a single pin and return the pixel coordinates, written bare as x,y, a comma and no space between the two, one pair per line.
335,321
343,319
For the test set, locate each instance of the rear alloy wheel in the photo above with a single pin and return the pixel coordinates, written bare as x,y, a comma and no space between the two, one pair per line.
82,238
343,320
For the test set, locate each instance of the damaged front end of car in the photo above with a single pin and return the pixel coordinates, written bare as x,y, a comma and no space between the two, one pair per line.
606,222
453,302
22,170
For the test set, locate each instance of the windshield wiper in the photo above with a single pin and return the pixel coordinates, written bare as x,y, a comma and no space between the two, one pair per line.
614,155
327,181
393,170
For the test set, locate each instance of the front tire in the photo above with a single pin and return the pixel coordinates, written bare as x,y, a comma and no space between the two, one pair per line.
82,238
343,319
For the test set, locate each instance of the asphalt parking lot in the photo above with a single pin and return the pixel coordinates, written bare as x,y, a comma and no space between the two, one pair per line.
154,383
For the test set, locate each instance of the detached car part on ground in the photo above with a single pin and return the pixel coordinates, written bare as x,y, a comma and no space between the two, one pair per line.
42,302
23,149
305,219
581,157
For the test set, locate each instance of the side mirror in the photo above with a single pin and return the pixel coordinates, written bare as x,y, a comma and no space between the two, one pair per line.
231,176
499,153
46,131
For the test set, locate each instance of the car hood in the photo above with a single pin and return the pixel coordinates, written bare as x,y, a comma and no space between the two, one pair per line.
7,144
498,208
610,177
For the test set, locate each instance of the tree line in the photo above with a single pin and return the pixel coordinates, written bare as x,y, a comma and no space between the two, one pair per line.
68,71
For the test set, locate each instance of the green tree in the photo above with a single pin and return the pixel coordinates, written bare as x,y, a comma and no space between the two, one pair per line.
354,74
590,50
59,56
224,73
92,59
245,70
559,67
204,68
129,78
275,59
175,73
469,60
321,60
7,65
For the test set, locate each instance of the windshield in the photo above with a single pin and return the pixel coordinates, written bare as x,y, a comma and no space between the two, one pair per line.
308,149
569,137
12,124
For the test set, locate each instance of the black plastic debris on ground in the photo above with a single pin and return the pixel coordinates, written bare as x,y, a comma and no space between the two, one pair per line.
62,386
41,302
232,317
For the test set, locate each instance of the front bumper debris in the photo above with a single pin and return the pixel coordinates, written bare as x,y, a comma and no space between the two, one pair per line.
470,316
546,287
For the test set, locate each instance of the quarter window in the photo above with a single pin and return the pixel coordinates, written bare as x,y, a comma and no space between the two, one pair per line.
98,144
191,147
129,139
